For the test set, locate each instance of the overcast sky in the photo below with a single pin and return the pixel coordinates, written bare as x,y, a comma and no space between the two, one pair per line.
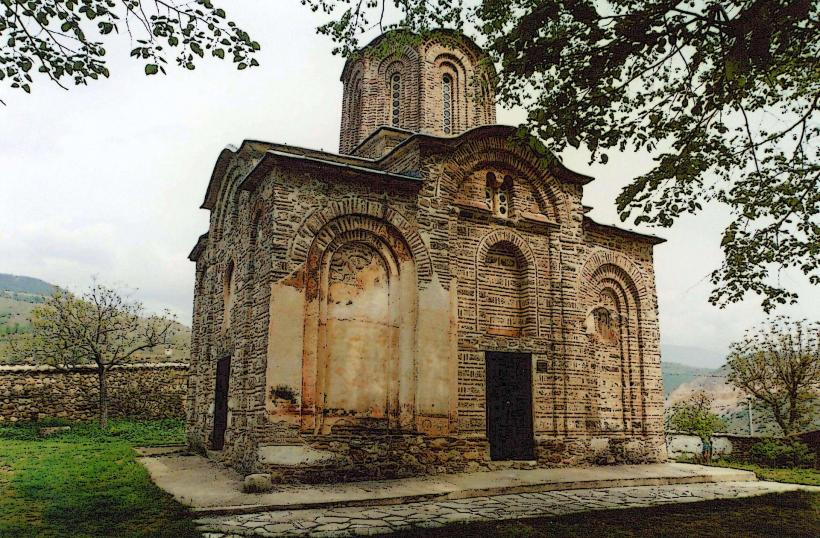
107,179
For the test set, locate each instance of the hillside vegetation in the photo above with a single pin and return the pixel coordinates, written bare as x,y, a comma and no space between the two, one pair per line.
676,374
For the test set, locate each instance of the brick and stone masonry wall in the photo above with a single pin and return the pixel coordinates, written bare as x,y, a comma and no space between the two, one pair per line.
145,391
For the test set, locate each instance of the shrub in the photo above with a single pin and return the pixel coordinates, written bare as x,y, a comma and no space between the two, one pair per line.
772,453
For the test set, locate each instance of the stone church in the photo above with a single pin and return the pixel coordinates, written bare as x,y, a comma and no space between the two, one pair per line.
433,298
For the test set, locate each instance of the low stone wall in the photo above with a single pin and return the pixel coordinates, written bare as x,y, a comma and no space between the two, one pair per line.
144,391
736,446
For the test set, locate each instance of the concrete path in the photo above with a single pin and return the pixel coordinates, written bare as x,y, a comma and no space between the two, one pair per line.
209,488
358,521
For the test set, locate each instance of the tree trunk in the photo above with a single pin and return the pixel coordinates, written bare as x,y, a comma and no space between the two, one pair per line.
101,374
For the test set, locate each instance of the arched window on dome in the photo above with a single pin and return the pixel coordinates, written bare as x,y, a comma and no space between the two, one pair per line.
447,102
395,99
356,105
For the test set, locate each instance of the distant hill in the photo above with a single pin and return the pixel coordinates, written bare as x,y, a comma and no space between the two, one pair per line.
697,357
676,374
19,295
25,284
728,402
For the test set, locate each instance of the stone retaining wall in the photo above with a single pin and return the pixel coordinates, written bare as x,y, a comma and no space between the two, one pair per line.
145,391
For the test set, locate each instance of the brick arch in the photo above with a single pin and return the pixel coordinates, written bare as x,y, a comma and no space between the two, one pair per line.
408,59
386,242
345,213
523,248
615,267
478,153
407,65
435,53
612,274
227,203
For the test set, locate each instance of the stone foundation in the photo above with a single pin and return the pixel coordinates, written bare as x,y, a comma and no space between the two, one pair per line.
369,456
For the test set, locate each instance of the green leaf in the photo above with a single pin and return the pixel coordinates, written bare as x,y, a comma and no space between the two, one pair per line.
151,69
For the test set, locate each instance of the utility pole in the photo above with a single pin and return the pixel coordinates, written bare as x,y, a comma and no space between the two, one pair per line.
751,424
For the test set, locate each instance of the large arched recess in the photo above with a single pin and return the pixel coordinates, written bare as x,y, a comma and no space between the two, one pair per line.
612,286
344,312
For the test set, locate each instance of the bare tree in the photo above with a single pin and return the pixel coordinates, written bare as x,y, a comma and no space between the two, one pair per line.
100,328
779,364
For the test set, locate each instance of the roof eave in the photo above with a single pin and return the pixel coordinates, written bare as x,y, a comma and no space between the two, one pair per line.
646,238
264,166
201,243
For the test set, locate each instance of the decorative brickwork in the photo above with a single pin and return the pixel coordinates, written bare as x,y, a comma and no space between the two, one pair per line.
444,88
365,291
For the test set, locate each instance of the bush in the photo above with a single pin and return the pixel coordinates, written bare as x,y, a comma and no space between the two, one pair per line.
771,453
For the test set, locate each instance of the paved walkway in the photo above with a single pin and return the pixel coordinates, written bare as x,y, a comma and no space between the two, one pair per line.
209,488
358,521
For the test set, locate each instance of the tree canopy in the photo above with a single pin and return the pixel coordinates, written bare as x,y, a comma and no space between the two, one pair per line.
724,95
778,364
695,416
64,39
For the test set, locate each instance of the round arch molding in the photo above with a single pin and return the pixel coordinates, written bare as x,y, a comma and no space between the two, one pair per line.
610,282
356,212
605,264
477,153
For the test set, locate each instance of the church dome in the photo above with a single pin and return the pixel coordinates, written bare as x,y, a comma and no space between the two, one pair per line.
439,84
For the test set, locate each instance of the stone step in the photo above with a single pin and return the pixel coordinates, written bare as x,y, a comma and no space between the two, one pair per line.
208,488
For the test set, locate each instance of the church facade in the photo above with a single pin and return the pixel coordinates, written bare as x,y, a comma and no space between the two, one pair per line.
434,298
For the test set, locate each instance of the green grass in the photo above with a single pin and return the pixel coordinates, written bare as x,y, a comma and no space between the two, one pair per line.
86,482
783,515
809,477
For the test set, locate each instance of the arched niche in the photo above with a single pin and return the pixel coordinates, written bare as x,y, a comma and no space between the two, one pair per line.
613,292
506,286
359,331
358,362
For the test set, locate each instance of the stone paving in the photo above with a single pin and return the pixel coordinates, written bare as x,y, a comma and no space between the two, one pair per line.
373,520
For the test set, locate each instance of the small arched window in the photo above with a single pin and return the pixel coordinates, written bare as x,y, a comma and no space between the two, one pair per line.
498,194
395,94
356,106
228,289
447,102
505,196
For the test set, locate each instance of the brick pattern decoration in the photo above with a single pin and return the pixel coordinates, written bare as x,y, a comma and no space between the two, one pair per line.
460,279
145,391
367,101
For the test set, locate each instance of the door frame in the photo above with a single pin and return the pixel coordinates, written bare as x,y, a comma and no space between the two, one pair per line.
223,371
523,356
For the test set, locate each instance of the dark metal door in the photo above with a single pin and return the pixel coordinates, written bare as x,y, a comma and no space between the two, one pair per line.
509,406
223,372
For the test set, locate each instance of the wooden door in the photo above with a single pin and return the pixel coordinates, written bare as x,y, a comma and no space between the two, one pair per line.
509,406
223,373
